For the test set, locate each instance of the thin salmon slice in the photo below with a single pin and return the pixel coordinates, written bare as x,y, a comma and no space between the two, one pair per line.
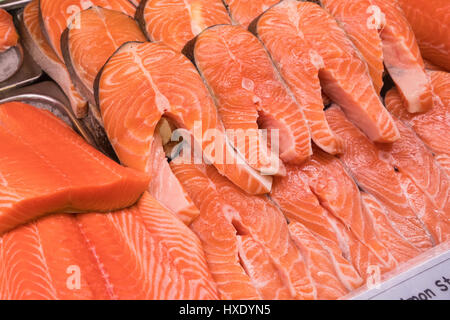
176,22
431,125
320,266
370,169
160,81
429,22
94,35
145,252
297,202
338,193
47,59
166,188
311,51
56,16
49,168
243,12
228,213
262,271
105,256
8,33
251,95
398,246
380,31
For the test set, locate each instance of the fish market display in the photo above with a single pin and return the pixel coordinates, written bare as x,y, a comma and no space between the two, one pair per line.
161,81
251,95
176,22
380,31
244,12
45,56
429,20
136,253
223,149
48,168
312,51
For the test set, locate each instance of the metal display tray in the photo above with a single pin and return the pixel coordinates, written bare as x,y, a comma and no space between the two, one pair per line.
13,4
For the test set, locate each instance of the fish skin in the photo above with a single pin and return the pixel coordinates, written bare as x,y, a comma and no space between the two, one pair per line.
176,90
299,36
250,92
321,267
52,169
368,166
8,34
232,213
338,193
428,20
297,202
429,125
176,22
244,12
117,254
57,15
35,42
87,47
380,31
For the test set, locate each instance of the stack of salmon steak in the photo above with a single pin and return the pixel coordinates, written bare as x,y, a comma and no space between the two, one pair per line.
244,149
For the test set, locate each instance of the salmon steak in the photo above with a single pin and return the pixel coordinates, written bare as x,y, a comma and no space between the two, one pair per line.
87,46
311,52
429,22
36,43
57,15
160,81
251,95
244,12
8,33
48,168
430,125
116,255
380,31
176,22
371,168
246,239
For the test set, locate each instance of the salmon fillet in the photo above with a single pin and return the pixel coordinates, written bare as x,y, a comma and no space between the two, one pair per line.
380,31
176,22
8,33
312,51
370,169
431,125
56,16
49,168
429,22
160,81
297,202
87,46
240,222
250,95
320,266
47,59
105,256
243,12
